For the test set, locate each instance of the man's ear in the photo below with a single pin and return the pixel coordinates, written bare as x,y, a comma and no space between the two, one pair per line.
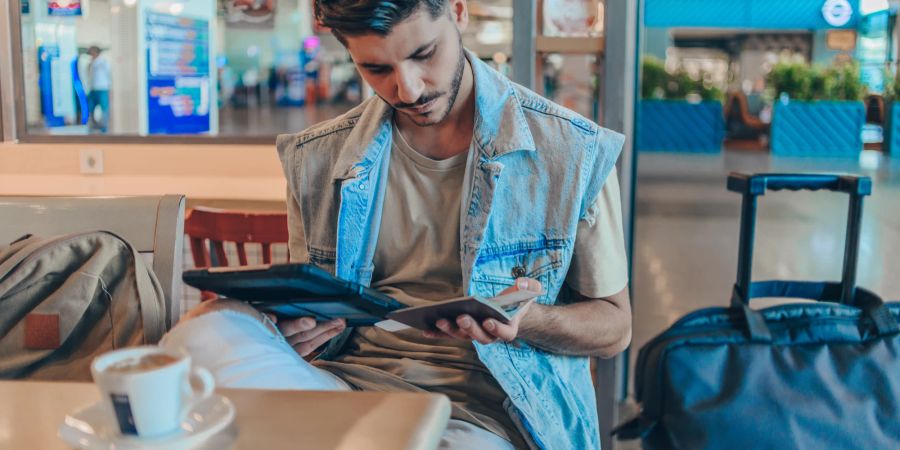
459,14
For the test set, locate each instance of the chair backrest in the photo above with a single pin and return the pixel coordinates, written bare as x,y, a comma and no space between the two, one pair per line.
240,227
153,224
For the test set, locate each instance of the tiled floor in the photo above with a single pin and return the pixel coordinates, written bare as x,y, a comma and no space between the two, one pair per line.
686,234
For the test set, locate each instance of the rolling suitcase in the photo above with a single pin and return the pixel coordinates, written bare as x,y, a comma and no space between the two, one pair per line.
822,375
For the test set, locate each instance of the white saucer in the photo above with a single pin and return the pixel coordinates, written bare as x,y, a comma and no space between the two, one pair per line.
92,428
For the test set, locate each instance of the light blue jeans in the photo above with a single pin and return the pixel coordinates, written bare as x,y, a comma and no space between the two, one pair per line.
243,351
98,98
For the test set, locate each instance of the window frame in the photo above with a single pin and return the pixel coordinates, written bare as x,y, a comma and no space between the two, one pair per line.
8,43
13,126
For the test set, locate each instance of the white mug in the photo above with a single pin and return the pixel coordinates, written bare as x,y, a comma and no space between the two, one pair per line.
152,400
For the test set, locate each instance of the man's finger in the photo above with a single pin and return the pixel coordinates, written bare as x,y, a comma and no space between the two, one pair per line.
473,329
523,284
451,329
317,331
501,331
305,348
436,335
528,284
294,326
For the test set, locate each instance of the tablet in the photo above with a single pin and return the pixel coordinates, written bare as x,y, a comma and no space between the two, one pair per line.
296,290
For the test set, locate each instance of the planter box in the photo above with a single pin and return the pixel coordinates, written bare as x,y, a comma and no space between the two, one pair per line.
891,144
818,128
679,126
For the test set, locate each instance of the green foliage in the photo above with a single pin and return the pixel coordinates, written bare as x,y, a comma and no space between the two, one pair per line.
792,79
657,83
679,86
654,78
890,85
803,82
819,85
843,83
712,93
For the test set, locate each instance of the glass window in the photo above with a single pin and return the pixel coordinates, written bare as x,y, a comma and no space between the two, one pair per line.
570,54
490,33
180,67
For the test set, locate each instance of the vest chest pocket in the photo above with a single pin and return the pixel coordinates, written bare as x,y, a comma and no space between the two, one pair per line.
497,270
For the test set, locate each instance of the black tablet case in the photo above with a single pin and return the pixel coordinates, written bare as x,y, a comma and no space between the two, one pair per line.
296,290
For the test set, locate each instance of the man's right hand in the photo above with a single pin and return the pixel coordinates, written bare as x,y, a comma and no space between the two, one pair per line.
306,335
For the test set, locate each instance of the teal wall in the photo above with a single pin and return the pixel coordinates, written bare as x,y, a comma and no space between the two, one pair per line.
748,14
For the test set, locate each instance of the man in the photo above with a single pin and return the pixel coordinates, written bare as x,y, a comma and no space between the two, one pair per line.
100,83
455,181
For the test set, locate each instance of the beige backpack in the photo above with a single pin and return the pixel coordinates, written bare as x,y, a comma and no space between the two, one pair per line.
66,299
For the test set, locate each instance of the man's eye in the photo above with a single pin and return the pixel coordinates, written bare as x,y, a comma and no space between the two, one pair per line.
378,70
423,57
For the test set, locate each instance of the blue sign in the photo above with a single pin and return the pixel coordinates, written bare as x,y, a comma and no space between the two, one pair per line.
48,69
26,7
64,8
178,81
837,12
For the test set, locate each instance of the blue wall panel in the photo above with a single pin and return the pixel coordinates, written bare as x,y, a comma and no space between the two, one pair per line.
678,126
696,13
747,14
892,131
831,129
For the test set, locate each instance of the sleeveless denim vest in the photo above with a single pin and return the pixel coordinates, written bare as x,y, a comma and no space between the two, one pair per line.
537,170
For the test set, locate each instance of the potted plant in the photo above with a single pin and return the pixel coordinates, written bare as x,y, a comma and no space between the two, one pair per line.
678,112
817,112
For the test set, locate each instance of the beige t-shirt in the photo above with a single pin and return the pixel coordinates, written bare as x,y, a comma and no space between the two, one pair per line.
417,261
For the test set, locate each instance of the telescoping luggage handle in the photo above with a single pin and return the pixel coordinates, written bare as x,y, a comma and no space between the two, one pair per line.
753,186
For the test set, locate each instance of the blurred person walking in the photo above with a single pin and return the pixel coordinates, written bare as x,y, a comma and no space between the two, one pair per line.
100,82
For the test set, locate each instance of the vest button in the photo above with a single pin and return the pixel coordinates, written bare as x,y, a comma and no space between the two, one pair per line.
518,272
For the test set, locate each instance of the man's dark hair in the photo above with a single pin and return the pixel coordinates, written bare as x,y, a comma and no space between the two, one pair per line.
357,17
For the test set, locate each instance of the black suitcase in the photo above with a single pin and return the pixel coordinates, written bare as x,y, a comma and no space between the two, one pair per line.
823,375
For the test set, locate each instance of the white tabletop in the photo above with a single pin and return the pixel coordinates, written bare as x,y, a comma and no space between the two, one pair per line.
31,411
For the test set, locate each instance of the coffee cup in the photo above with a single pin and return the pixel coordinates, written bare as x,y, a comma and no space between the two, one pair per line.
149,390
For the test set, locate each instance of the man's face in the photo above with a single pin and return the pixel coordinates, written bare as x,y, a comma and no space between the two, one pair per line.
417,68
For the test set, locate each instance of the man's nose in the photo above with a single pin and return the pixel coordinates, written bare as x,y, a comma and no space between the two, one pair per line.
409,85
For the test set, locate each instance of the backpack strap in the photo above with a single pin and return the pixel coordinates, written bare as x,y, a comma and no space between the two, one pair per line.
150,295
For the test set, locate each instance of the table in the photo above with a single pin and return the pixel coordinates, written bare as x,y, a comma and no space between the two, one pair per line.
31,412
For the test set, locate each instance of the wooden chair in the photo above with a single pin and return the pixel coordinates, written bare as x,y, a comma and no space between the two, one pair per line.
153,224
240,227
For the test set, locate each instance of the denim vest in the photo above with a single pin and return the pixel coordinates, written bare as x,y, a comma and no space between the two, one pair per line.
538,167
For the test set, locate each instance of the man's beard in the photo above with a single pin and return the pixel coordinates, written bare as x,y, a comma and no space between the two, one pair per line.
451,94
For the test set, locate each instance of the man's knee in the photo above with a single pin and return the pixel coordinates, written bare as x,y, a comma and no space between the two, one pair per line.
226,304
221,304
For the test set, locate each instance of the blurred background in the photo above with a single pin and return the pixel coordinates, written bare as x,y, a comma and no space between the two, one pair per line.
187,96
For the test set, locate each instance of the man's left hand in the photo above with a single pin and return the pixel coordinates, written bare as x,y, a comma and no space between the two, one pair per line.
489,331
